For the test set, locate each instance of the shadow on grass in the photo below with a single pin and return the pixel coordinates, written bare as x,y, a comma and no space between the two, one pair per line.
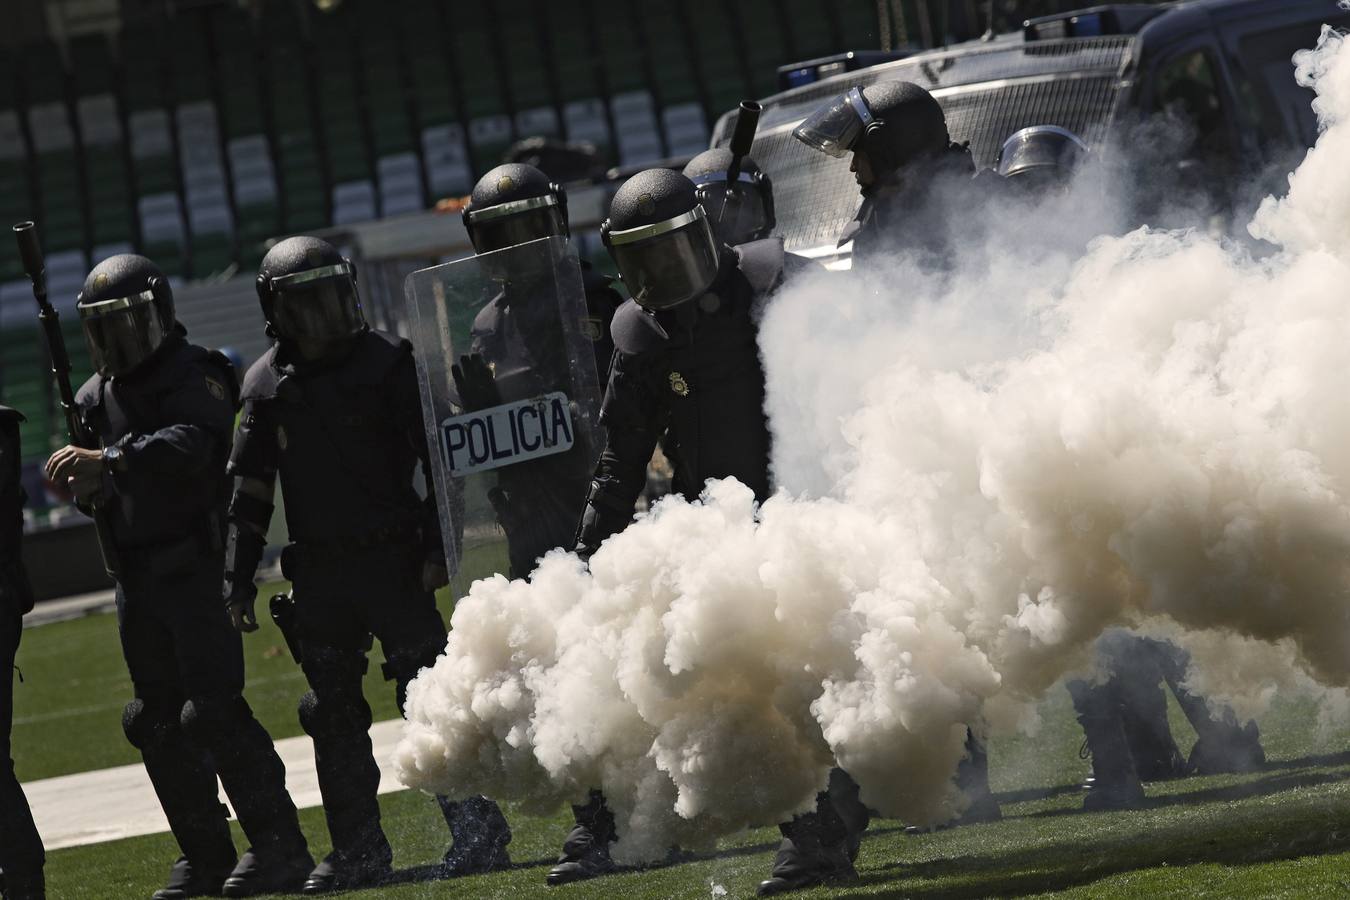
434,872
1243,836
1261,787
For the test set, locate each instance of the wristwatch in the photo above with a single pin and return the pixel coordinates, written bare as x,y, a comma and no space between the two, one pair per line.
114,460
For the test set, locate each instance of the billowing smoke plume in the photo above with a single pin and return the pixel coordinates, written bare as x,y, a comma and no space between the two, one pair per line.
980,471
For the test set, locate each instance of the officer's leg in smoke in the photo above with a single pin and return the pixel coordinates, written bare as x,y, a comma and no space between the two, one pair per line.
412,634
1223,744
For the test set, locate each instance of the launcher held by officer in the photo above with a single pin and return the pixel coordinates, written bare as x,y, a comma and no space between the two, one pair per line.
332,409
163,411
518,350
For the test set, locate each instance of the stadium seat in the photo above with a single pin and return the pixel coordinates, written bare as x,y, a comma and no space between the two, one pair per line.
721,68
344,145
253,180
445,156
158,205
475,52
576,76
635,124
686,130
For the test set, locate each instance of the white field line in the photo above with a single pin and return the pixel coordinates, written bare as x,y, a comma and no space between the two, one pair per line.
108,804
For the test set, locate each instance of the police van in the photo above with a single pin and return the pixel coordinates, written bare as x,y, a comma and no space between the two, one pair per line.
1225,64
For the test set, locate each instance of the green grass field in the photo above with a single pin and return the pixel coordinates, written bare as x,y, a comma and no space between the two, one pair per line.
1283,832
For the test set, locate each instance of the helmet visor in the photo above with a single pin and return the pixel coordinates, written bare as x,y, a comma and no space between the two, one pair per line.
121,333
518,222
737,214
669,263
318,305
834,127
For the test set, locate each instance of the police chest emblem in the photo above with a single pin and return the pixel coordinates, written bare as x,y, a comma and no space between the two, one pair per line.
591,327
678,384
215,388
281,437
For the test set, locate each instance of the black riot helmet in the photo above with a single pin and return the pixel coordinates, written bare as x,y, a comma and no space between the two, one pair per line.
126,310
514,204
893,122
308,293
661,240
1041,156
740,212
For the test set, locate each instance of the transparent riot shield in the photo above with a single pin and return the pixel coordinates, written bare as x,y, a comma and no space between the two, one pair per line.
511,403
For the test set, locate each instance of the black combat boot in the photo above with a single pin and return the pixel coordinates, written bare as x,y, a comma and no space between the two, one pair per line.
189,880
339,872
479,833
812,852
1224,747
586,850
260,872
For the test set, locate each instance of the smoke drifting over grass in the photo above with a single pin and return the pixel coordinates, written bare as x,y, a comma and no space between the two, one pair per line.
979,472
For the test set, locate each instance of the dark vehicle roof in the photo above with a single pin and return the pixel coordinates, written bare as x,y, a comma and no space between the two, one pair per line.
988,89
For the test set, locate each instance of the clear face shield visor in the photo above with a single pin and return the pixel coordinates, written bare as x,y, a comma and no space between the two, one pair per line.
121,333
516,222
668,263
834,128
317,305
737,213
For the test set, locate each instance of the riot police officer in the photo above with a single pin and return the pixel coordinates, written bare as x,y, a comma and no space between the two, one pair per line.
21,854
687,370
910,173
333,410
163,410
519,350
1124,715
514,204
744,212
912,178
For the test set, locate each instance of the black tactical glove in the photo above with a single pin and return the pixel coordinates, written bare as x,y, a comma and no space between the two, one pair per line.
243,552
475,382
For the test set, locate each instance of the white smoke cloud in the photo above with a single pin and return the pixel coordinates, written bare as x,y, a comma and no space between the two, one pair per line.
979,473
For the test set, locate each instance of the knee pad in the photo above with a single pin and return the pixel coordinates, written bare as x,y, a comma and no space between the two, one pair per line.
148,725
209,720
333,716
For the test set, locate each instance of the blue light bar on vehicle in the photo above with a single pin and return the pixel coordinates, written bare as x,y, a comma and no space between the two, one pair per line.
1094,22
813,70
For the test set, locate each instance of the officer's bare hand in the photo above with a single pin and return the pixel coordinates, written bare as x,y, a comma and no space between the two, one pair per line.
241,615
434,575
79,469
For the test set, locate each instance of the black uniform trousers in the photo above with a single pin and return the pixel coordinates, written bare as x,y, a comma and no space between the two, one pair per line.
343,600
189,719
21,854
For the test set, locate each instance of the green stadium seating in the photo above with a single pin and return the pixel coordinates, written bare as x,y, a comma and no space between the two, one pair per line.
809,29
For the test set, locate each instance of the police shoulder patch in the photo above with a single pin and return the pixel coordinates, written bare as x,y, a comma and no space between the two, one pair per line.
215,388
593,328
678,384
281,437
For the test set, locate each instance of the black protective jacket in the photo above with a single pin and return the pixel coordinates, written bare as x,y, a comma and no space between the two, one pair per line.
173,419
344,437
16,594
693,377
917,215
